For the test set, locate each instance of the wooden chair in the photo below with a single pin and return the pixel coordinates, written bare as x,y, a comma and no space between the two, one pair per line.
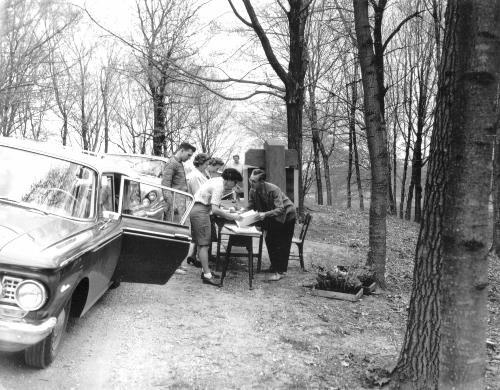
299,241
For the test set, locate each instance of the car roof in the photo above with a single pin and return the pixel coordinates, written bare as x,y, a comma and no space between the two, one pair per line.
135,155
76,155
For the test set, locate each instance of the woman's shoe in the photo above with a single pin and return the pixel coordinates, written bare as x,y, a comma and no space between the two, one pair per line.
274,277
194,262
213,275
211,280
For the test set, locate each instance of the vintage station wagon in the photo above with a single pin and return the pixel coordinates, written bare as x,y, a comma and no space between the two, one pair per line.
71,226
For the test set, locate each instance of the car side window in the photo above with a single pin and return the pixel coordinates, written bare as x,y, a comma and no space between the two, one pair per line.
107,193
149,201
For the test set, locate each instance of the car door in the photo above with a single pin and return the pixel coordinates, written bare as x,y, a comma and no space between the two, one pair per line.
155,233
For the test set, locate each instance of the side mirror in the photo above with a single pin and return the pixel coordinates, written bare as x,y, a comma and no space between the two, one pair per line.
111,215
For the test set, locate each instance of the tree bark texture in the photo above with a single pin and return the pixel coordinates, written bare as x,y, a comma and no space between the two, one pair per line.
407,103
465,229
416,175
326,173
496,196
444,340
377,143
358,173
316,140
158,122
349,170
297,17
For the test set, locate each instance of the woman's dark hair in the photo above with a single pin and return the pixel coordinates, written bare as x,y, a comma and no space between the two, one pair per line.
216,161
258,174
231,174
201,159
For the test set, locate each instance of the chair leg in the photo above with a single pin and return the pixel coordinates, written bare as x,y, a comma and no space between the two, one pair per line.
217,261
301,257
259,258
250,266
226,263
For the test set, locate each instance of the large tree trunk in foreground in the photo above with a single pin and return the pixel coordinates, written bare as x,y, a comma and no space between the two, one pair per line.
377,143
444,340
465,235
496,197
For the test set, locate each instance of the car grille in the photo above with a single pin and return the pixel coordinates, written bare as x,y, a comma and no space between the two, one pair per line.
9,285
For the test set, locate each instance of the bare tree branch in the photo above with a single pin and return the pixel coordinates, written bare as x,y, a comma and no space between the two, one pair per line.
243,20
266,45
396,30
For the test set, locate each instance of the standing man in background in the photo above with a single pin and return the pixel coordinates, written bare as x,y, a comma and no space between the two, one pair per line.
174,177
236,164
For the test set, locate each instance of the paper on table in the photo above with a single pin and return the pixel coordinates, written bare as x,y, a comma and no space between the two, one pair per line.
249,217
243,229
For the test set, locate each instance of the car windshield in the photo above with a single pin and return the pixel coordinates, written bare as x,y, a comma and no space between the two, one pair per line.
143,165
46,183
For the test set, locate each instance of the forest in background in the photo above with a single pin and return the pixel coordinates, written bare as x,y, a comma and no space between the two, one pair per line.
67,77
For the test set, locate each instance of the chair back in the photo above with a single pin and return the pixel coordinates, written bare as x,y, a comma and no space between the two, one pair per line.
305,226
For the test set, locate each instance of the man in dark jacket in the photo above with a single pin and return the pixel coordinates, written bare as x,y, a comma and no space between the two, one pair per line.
278,214
174,175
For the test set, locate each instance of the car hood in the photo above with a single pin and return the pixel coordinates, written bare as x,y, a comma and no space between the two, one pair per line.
31,238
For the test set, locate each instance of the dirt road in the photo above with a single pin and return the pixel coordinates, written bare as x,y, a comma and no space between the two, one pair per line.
189,335
186,335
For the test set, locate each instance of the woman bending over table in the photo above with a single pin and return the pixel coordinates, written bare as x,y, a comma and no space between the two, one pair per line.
278,213
208,198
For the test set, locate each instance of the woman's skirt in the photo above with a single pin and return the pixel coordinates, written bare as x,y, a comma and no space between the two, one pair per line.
201,229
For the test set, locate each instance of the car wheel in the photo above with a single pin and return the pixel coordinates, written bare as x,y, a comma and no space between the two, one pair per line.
43,354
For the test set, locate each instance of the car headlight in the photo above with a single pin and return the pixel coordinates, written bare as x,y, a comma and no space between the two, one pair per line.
30,295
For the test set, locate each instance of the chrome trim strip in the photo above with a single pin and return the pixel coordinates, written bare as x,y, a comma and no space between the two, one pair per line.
106,241
82,252
170,237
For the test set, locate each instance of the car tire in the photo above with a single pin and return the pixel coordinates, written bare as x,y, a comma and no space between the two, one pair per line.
41,355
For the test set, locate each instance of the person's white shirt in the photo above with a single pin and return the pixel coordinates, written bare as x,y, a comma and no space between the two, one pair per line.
210,193
238,167
195,180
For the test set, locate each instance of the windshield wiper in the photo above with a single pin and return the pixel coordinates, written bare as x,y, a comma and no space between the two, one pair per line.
21,204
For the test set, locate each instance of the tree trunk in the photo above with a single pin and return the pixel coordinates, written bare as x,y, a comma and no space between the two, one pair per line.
317,172
409,200
64,134
352,130
294,120
294,98
377,143
391,203
158,123
403,181
407,147
444,340
313,118
465,225
496,197
416,174
328,182
394,164
358,174
349,169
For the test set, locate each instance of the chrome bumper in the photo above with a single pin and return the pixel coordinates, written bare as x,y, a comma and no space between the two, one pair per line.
16,336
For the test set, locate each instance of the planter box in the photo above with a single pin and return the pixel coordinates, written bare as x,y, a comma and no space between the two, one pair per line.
367,290
337,295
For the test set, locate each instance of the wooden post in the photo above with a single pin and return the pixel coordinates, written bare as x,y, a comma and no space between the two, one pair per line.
275,163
